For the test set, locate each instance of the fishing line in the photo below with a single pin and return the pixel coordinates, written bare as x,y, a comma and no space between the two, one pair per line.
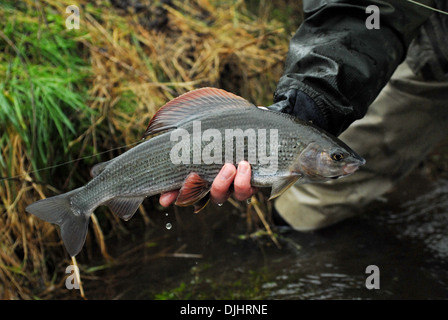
428,7
68,162
132,144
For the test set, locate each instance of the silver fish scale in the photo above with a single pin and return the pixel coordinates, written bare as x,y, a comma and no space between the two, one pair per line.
210,123
147,169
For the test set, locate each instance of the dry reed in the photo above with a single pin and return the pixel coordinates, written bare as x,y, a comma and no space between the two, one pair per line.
139,58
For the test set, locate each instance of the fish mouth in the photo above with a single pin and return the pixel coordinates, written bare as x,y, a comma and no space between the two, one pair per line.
352,167
361,160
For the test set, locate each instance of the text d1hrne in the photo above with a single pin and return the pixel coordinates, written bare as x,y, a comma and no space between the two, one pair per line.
228,309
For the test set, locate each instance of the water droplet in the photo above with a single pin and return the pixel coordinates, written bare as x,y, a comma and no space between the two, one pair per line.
248,200
168,226
166,214
220,204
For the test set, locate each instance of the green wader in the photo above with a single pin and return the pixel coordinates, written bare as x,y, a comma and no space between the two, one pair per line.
403,124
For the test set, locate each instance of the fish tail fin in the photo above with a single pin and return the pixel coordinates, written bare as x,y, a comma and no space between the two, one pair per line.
59,210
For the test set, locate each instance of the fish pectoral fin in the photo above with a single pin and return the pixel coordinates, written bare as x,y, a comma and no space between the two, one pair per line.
124,207
192,104
283,183
193,190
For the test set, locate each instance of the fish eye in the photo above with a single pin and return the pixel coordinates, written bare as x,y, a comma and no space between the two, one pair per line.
337,156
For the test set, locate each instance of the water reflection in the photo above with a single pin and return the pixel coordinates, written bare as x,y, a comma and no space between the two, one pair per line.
405,236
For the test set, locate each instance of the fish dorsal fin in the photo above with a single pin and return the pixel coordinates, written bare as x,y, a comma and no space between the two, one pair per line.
194,104
192,191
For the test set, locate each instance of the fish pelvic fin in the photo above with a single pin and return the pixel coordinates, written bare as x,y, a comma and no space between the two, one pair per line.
282,184
58,210
202,203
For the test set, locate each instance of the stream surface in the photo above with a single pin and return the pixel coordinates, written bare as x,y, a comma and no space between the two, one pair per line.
211,255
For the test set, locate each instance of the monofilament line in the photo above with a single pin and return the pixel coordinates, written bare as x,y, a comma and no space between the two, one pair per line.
428,7
68,162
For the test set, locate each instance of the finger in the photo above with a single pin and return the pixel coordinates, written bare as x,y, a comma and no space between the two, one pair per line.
243,189
219,192
168,197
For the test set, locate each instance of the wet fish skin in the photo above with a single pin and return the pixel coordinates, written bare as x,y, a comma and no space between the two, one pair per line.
305,153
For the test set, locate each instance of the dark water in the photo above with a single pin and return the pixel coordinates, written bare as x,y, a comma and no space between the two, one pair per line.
209,256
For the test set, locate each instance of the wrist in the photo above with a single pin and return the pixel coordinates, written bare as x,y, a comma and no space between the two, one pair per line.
299,104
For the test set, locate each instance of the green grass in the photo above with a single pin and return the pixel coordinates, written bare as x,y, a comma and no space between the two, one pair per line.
203,286
43,87
70,94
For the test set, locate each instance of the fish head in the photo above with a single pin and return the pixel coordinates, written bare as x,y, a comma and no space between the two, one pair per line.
326,160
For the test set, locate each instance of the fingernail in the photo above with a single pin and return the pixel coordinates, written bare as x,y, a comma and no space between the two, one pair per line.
227,172
243,167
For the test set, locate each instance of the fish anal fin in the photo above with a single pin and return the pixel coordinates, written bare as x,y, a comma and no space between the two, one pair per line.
124,207
282,184
194,104
193,190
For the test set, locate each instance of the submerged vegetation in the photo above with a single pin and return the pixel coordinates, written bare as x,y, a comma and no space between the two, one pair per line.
72,97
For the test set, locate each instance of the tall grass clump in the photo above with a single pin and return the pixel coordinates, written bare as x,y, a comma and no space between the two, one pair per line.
43,88
70,94
43,106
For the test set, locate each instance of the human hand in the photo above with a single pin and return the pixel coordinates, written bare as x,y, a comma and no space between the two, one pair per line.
300,105
220,190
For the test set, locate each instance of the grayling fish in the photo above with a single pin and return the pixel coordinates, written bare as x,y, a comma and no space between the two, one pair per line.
196,134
